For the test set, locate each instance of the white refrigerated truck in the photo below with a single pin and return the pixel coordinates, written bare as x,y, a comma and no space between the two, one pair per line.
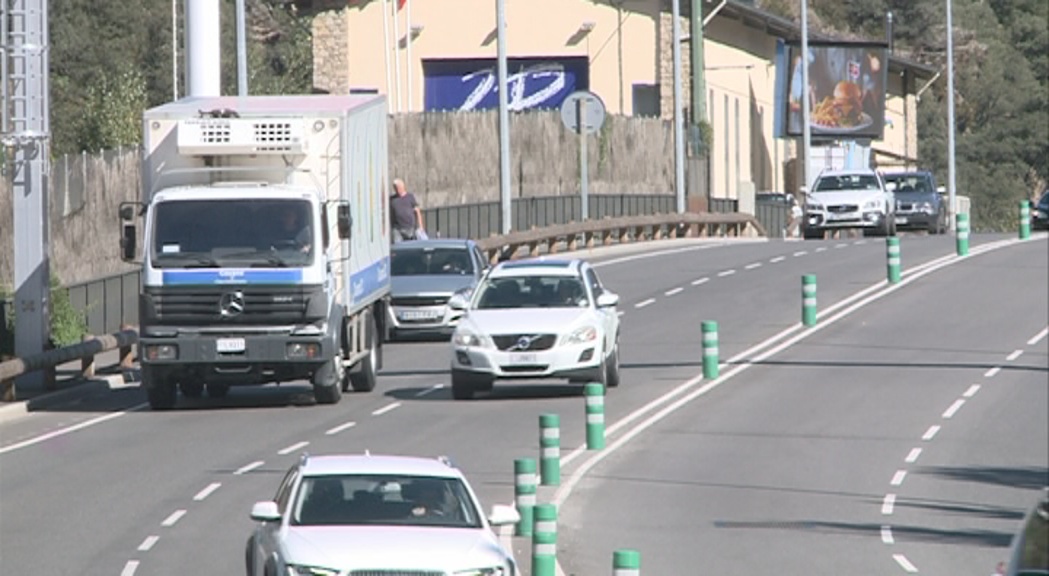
265,248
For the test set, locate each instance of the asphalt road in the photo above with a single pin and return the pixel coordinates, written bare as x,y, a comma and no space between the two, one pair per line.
786,463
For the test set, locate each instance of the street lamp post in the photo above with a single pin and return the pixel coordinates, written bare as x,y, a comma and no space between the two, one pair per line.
952,200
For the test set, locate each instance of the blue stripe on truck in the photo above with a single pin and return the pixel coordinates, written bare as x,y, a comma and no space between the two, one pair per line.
230,276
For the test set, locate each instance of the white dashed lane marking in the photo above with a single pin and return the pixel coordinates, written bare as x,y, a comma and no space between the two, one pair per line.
898,477
700,281
248,468
386,409
673,291
953,409
886,534
800,253
1014,355
148,543
752,266
972,391
913,455
888,503
992,372
341,427
644,303
207,491
930,433
293,448
175,517
724,273
904,563
778,259
1037,337
129,568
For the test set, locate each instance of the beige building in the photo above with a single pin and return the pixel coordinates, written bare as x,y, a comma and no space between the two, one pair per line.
429,55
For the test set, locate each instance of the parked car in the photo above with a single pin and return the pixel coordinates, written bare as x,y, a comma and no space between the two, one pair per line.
376,514
1040,212
1029,550
423,276
849,199
920,204
536,319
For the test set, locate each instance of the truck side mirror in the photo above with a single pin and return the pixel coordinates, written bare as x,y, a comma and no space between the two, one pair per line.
344,221
128,210
128,243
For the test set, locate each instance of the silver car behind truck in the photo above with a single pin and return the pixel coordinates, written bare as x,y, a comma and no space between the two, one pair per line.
424,275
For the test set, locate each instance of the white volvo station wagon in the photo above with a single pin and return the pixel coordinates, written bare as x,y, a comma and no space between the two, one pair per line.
544,318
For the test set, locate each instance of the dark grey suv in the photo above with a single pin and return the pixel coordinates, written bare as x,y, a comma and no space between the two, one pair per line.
919,203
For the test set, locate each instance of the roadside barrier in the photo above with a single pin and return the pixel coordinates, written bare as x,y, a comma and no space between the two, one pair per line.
892,253
594,393
84,351
1025,219
524,494
710,349
626,563
961,223
544,541
808,299
549,450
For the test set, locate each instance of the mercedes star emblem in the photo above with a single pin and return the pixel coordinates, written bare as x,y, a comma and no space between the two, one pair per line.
231,304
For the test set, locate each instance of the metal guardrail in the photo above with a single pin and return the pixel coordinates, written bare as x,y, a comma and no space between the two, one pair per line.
84,351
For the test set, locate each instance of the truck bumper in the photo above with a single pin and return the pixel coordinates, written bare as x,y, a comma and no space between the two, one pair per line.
237,358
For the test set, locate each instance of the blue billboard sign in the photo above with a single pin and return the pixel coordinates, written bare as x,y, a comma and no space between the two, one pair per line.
473,83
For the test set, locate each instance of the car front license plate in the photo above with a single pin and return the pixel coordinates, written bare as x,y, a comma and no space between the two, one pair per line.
229,345
901,219
522,358
419,314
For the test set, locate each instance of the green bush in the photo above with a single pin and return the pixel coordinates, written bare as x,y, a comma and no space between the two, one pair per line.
67,323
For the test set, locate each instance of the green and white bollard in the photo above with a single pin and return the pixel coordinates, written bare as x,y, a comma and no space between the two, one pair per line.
808,299
892,253
544,541
594,393
524,494
710,349
626,563
961,224
549,450
1025,219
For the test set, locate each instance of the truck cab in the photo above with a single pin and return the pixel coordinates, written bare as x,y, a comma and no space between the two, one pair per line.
252,272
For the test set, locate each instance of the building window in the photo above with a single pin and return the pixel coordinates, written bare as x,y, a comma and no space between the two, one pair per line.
646,99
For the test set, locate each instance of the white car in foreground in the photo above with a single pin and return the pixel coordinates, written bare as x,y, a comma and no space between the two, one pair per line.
530,319
344,515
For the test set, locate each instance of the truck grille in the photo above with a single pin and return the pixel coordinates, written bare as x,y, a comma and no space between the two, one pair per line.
534,341
233,305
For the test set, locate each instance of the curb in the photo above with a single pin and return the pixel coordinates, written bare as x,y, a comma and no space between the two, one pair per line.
70,389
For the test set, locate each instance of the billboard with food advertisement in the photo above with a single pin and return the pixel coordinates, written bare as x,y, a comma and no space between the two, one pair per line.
847,91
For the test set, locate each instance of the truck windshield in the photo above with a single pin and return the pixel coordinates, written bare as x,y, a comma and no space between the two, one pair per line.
219,233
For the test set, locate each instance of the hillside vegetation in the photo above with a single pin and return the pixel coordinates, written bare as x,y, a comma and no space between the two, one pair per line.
112,58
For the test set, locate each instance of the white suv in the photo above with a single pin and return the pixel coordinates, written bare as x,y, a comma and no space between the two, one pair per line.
849,199
342,515
540,318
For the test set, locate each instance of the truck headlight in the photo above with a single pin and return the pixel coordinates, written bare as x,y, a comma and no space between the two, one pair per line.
162,352
299,350
582,335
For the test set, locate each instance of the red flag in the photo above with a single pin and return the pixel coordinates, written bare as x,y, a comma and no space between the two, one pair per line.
400,4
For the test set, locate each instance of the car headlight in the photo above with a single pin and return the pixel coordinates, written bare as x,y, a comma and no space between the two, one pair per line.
1041,213
294,570
493,571
872,205
582,335
925,207
813,207
469,339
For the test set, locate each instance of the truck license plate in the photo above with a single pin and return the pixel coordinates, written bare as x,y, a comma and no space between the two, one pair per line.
522,358
228,345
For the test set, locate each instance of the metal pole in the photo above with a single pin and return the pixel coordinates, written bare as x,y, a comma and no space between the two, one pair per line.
174,50
397,55
951,204
584,172
203,48
679,138
30,134
242,52
408,35
504,118
699,84
386,53
806,132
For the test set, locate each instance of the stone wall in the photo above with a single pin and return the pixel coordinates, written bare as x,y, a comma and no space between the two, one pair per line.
445,158
331,66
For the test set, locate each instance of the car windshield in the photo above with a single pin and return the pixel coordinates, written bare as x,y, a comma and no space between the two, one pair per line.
430,261
217,233
532,292
387,500
1044,201
909,183
847,182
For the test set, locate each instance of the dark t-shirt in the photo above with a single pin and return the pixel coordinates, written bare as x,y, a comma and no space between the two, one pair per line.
402,210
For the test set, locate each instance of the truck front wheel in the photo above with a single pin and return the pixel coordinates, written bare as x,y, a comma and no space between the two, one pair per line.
364,376
160,389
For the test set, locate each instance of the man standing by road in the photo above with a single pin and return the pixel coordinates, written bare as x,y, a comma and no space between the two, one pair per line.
407,219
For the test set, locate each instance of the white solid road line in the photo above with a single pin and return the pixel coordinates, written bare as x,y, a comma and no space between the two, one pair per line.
61,432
